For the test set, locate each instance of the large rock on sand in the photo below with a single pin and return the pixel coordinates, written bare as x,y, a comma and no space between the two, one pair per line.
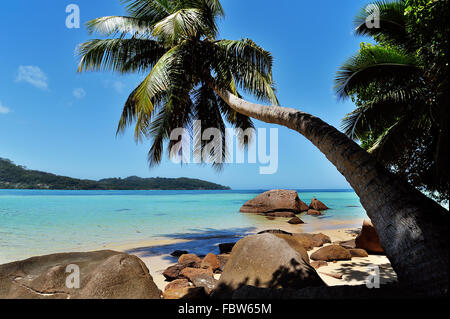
358,252
207,282
182,289
177,284
275,231
296,221
348,244
275,201
190,260
211,261
267,260
192,273
306,240
173,272
223,259
103,275
309,241
317,205
281,214
368,239
185,293
331,253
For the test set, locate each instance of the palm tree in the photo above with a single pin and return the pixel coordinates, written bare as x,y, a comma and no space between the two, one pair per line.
401,115
191,74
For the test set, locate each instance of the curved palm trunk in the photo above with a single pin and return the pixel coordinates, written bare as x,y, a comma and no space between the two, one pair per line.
413,229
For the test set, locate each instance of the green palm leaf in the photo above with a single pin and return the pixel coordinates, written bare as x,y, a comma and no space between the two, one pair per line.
182,25
113,25
393,23
175,42
207,111
119,55
150,10
383,110
374,64
249,64
390,144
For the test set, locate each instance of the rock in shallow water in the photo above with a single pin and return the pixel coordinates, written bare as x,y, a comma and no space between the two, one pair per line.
103,275
317,205
314,212
280,214
275,201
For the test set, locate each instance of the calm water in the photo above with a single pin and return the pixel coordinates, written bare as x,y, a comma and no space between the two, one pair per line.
36,222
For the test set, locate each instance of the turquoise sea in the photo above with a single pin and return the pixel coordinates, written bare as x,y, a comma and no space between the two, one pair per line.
37,222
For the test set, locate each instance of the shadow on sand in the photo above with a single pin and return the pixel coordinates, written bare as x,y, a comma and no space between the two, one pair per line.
200,242
386,273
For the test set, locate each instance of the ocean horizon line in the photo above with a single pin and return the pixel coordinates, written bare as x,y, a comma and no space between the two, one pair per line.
165,191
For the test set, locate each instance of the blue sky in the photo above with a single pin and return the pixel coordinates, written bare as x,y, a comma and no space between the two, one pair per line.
56,120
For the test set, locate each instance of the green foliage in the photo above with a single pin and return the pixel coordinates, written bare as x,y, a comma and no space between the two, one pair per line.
18,177
400,88
174,43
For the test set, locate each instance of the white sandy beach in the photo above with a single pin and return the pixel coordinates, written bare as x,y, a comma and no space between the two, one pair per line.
354,271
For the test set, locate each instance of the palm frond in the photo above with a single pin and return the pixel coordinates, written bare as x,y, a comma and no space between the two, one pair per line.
390,144
119,55
241,123
158,80
383,110
114,25
183,24
176,113
392,20
207,111
250,65
142,115
150,10
374,64
212,6
175,42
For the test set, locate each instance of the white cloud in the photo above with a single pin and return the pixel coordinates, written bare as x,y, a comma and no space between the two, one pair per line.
4,109
79,93
118,86
32,75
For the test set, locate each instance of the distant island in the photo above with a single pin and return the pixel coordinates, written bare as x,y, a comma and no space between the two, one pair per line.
14,176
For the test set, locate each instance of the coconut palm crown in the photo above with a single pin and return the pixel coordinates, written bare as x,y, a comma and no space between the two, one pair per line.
174,43
402,99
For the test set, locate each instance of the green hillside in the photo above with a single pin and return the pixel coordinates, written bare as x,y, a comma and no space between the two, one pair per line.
14,176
